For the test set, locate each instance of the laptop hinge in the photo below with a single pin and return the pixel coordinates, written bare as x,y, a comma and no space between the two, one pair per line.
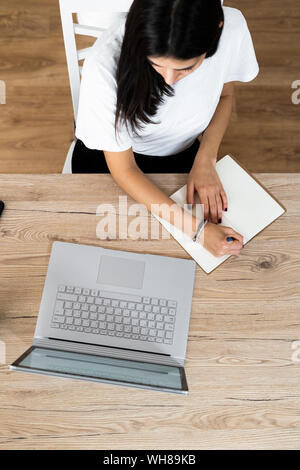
107,351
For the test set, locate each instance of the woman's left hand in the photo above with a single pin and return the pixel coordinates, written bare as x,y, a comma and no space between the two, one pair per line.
204,179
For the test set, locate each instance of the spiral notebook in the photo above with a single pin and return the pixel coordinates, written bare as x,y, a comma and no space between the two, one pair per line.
251,208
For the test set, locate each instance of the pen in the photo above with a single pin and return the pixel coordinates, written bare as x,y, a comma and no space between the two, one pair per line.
231,239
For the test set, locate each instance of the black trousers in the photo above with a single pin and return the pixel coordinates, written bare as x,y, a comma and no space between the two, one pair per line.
85,160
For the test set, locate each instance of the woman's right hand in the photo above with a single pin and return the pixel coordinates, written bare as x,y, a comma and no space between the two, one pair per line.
214,240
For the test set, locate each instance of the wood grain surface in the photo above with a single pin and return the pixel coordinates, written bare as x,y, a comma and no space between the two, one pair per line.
244,386
37,122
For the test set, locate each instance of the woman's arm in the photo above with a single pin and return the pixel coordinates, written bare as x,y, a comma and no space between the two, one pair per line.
214,133
134,182
203,177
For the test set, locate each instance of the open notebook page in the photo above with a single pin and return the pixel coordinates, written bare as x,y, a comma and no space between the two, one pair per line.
250,210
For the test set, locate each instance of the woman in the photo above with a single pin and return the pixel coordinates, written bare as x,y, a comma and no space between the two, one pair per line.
156,96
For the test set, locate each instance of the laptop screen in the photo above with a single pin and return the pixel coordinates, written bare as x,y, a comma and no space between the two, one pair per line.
103,369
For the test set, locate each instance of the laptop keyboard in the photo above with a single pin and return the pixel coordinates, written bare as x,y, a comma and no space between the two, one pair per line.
100,312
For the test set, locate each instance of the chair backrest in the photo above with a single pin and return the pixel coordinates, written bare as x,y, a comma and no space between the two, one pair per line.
94,17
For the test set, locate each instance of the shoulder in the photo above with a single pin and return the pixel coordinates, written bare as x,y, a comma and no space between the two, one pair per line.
234,21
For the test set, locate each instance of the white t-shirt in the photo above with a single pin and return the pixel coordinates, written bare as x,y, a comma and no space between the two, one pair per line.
183,117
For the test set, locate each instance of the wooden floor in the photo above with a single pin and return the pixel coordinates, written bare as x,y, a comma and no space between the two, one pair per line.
36,122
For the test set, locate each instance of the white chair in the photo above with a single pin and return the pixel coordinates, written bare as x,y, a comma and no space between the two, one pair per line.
93,17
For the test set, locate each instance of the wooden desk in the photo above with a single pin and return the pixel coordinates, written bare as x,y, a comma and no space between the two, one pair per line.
244,386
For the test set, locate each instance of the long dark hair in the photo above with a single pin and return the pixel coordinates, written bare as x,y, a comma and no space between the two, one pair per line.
181,29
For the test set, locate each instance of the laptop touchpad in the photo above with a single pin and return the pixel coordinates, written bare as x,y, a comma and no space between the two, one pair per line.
121,272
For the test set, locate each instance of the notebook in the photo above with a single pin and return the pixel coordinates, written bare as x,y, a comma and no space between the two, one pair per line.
251,208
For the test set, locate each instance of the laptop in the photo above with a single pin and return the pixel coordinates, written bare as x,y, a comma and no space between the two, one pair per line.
113,316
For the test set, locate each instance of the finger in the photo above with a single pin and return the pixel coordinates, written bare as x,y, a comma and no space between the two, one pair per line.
190,193
224,199
234,253
235,245
226,252
204,200
231,251
213,209
219,208
236,235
